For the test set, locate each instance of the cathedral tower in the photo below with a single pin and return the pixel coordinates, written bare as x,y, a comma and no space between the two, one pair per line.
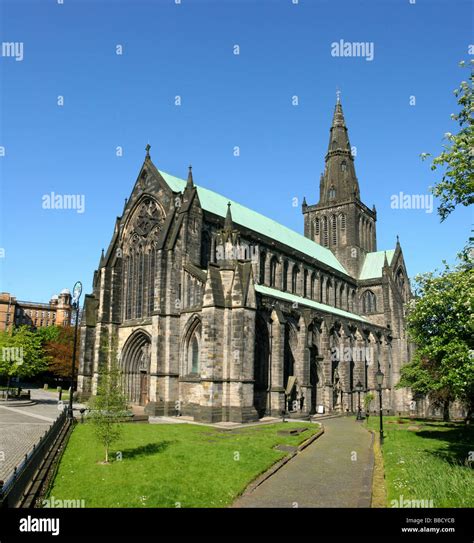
340,221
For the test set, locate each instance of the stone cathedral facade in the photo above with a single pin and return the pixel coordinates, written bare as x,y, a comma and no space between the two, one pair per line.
221,314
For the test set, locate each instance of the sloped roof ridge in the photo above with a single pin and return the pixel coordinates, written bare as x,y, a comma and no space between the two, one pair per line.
216,203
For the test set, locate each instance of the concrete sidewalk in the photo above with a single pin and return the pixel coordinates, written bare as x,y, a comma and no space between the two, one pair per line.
334,471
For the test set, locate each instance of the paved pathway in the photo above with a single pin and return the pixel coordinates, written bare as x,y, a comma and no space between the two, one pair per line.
334,471
21,426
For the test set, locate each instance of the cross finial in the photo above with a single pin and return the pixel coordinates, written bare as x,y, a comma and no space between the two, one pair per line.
147,149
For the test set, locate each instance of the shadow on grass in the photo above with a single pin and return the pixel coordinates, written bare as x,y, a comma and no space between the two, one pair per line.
146,450
458,442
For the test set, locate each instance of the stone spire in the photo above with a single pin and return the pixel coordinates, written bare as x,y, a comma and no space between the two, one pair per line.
339,182
227,240
190,181
228,224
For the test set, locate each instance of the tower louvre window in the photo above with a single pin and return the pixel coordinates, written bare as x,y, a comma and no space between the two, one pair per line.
332,193
325,232
343,222
334,229
344,166
316,227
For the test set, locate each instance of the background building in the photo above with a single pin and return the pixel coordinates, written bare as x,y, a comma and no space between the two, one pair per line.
15,312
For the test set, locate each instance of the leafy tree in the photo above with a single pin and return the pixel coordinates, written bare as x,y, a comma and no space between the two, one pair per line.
59,345
109,406
440,322
457,183
21,353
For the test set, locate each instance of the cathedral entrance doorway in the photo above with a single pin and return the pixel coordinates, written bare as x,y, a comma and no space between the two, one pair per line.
135,365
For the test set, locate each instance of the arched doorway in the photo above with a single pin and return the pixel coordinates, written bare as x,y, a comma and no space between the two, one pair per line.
135,362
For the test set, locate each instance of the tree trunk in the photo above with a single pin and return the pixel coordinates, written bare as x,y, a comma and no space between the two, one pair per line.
467,418
446,411
106,455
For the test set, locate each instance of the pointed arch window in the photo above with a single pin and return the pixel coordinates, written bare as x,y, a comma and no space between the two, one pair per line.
325,232
369,302
193,350
263,258
273,269
151,290
343,221
332,192
285,275
316,226
294,279
334,230
344,166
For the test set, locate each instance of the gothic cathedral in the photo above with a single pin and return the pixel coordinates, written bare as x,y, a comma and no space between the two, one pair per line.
218,313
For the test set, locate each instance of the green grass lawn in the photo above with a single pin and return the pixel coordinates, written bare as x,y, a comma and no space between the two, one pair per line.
170,465
428,463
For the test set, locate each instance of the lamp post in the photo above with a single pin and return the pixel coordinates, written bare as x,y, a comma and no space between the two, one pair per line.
379,380
359,388
76,294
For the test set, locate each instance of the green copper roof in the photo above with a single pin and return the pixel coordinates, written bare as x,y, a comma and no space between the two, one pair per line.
373,264
308,303
216,203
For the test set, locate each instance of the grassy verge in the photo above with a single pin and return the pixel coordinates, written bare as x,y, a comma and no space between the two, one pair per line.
426,460
170,465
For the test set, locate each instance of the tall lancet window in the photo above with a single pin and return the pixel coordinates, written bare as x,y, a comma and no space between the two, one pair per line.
325,232
332,193
151,282
140,236
334,230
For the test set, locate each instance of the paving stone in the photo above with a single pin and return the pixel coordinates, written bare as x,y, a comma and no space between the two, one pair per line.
325,474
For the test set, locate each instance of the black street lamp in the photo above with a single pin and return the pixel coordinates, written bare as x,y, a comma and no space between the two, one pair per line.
76,294
359,387
379,380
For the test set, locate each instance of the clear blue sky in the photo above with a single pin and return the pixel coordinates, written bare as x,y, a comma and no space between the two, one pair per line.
227,101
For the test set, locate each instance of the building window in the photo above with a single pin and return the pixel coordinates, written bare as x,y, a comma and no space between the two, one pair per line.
193,349
343,222
294,279
369,302
334,230
194,355
332,193
316,227
344,166
325,232
285,275
263,258
273,268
